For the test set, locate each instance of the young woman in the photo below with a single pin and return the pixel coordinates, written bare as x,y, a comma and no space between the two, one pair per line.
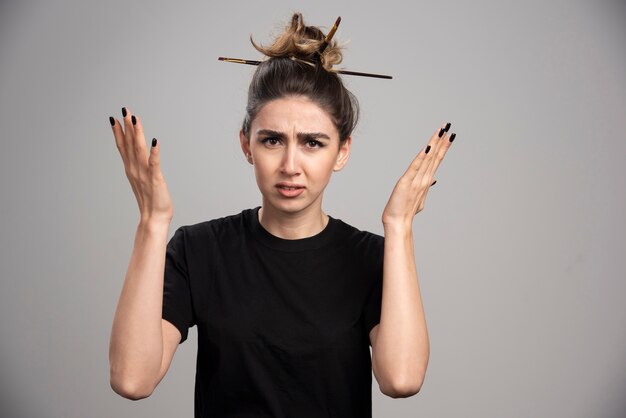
286,298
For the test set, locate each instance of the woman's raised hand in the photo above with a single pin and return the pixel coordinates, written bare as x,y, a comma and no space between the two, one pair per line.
409,194
143,169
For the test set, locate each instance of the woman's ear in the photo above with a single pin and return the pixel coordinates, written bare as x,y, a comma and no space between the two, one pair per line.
344,154
245,146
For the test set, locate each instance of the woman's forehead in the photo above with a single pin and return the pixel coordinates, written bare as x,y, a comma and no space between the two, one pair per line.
299,113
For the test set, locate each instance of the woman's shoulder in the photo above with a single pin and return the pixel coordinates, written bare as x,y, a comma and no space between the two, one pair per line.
347,228
359,238
224,225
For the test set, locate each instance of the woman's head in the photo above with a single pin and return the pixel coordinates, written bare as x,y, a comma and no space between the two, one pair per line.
294,147
299,120
296,68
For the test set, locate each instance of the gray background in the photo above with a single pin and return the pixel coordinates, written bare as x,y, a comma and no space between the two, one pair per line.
520,246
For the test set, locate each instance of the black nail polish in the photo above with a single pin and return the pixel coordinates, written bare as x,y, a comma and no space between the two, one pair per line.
441,131
434,183
154,141
447,126
124,111
111,120
452,137
134,120
427,149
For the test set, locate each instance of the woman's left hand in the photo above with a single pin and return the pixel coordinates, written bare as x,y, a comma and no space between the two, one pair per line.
409,194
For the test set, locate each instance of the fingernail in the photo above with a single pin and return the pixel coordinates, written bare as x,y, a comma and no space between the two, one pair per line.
452,137
134,120
441,131
111,120
154,141
447,126
434,183
124,111
427,149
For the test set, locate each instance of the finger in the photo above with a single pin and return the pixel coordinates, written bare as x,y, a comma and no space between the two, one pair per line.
438,150
423,154
129,136
424,158
128,128
139,140
439,141
441,152
120,141
418,161
415,164
154,159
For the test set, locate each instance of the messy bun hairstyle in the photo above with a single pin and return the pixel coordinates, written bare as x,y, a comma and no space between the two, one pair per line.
296,68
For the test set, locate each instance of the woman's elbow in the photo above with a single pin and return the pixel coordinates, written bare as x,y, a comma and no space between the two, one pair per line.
130,390
404,388
404,392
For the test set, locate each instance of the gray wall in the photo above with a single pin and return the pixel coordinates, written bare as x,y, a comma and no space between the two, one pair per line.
520,247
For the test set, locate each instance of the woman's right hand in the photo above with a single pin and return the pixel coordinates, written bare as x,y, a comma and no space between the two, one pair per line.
143,169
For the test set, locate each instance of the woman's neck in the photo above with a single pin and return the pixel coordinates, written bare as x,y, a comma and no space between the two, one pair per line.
304,224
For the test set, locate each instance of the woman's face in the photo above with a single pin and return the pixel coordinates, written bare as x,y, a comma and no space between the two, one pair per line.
294,147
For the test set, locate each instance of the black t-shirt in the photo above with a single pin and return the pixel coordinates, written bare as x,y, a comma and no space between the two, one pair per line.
283,325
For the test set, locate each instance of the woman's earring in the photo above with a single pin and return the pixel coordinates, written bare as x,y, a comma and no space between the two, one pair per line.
249,158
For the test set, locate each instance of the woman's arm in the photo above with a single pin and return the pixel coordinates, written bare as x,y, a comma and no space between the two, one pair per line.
142,344
400,344
137,354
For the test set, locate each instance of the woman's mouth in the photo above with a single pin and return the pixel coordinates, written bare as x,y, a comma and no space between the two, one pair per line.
290,189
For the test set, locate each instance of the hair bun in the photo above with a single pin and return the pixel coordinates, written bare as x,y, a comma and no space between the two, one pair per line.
302,43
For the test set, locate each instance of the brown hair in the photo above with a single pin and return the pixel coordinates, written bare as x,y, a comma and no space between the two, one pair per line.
296,68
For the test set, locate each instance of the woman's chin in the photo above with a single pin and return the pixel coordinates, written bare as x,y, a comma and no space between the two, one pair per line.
288,205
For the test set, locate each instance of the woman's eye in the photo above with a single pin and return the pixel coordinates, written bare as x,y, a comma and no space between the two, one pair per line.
270,141
314,144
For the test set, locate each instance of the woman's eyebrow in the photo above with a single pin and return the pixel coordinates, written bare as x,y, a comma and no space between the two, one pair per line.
300,135
312,135
269,132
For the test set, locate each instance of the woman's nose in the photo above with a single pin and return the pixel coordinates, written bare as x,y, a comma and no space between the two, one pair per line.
290,165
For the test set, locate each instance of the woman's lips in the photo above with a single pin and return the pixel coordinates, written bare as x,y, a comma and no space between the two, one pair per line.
290,189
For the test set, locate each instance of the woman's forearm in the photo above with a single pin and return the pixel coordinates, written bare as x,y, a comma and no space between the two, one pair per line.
136,346
402,345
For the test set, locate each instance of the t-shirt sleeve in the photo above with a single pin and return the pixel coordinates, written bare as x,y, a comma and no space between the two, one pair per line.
177,307
373,304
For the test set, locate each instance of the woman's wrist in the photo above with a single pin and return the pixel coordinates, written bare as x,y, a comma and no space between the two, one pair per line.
153,224
402,228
